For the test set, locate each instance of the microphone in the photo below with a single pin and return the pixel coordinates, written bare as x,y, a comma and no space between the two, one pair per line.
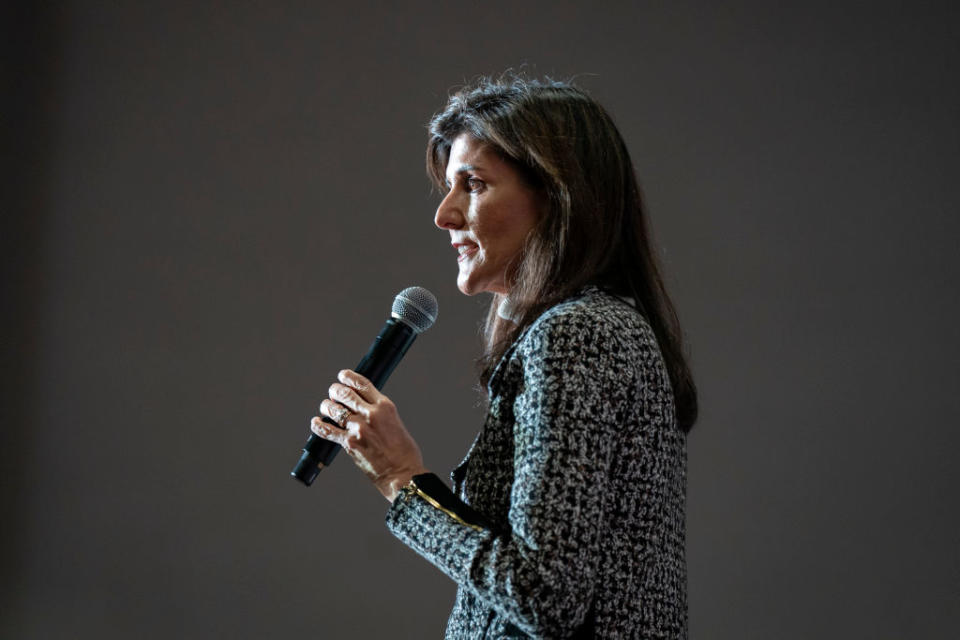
414,311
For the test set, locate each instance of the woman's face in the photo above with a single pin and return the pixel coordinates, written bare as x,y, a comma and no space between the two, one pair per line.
489,210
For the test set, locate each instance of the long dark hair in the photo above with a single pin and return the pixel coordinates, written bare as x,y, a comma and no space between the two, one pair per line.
594,229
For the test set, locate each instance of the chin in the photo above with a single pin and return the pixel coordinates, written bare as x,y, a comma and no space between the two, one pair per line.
466,289
468,285
471,283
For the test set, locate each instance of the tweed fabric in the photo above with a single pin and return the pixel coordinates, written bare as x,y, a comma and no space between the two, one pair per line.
582,470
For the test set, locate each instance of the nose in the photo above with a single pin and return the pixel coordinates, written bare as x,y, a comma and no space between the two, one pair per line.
450,212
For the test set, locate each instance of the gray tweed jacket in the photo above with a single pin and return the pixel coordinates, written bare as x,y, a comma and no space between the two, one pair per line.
578,482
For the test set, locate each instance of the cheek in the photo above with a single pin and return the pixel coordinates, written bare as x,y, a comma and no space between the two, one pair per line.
498,235
508,239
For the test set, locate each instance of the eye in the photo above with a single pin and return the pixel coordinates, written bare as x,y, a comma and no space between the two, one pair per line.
475,184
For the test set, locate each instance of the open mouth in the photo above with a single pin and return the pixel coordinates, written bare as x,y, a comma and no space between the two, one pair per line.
465,251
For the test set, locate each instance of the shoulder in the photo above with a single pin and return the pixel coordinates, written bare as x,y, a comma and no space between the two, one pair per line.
592,321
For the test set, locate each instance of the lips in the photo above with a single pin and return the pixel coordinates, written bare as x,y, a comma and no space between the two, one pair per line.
466,250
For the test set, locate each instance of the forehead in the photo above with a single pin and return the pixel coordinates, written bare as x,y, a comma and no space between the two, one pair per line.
467,153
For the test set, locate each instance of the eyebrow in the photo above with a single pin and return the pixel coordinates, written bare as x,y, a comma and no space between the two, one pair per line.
464,168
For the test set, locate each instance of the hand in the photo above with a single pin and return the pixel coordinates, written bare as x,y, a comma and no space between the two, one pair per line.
371,433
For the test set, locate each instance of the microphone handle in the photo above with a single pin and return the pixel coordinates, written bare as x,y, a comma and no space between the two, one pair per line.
382,358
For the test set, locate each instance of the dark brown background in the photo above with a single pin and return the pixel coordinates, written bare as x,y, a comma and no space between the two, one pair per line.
211,206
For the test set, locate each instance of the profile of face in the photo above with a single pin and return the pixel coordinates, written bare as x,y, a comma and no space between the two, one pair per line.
489,211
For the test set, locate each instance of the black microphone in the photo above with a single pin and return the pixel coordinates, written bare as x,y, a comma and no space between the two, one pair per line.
414,311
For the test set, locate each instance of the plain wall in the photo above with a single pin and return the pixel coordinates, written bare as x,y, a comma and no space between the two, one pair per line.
211,208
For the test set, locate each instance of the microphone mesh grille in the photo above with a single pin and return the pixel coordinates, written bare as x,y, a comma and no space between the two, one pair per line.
417,307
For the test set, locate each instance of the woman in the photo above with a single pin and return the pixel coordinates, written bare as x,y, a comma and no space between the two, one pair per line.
567,515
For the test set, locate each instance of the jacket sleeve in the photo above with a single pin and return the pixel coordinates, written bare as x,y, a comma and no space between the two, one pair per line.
539,574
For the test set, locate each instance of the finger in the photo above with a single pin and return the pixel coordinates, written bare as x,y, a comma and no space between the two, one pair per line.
349,398
329,432
362,385
335,411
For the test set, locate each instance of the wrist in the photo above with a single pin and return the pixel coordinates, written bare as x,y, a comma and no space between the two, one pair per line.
391,489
